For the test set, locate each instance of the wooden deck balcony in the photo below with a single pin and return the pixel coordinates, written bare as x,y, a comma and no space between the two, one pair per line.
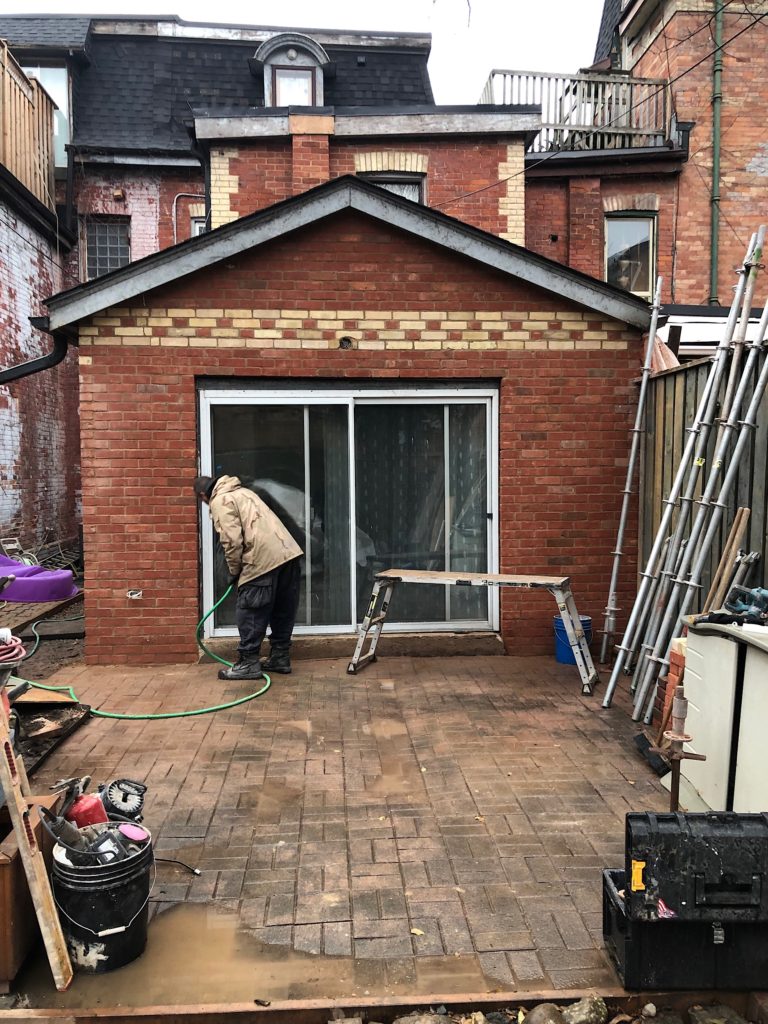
587,112
26,129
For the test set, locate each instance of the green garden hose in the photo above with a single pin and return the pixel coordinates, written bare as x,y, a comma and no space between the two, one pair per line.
166,714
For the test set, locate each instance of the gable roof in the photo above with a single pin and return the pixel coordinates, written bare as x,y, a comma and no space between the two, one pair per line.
345,193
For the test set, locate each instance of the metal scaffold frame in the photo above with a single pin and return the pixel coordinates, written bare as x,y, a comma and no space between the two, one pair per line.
692,460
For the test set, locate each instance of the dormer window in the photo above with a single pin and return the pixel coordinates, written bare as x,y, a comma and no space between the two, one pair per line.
293,66
293,87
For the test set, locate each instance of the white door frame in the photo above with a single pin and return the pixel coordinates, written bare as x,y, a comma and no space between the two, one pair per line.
352,397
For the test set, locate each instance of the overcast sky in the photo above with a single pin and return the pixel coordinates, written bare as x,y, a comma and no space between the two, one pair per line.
468,38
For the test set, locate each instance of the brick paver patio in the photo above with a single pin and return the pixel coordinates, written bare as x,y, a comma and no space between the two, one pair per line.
425,808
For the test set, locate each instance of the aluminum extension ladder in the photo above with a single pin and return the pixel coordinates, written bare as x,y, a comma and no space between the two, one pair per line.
13,779
559,586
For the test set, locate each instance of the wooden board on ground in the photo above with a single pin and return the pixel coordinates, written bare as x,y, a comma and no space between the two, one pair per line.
56,629
37,749
17,615
41,698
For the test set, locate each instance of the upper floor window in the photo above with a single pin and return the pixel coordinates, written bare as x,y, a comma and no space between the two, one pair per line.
55,81
630,253
293,70
107,244
197,226
411,186
293,87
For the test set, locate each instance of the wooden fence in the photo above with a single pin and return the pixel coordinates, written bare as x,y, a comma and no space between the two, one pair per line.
26,129
673,399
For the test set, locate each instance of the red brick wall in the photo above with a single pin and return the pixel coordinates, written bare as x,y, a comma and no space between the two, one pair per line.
564,421
744,148
546,214
456,166
264,173
585,218
148,201
268,172
310,161
39,443
580,243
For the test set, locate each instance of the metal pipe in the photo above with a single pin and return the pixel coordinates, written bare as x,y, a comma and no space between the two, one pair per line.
717,103
53,358
670,597
611,608
641,633
713,378
176,198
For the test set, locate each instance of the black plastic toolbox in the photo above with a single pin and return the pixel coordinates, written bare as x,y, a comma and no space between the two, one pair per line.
675,955
697,867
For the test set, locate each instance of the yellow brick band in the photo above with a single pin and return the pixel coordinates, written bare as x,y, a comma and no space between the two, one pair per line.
373,329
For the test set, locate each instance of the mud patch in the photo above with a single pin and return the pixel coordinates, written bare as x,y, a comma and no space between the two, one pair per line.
196,954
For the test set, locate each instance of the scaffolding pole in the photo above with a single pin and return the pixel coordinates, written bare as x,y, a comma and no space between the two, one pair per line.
718,506
711,387
609,626
657,659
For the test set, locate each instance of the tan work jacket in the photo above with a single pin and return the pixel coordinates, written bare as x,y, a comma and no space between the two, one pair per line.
253,538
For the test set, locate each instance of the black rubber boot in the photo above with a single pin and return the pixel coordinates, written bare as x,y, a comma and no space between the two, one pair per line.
279,661
242,670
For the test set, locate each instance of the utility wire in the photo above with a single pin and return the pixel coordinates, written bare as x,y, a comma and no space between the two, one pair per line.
595,131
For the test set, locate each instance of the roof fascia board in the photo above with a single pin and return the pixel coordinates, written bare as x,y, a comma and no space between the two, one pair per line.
117,289
166,29
241,127
634,12
164,267
438,123
480,122
143,161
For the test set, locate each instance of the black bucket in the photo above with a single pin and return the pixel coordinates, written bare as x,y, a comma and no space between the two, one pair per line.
103,909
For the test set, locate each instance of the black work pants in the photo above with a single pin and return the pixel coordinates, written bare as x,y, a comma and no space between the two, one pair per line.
271,600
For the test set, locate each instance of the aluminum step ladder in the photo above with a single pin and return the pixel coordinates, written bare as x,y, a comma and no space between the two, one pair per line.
384,584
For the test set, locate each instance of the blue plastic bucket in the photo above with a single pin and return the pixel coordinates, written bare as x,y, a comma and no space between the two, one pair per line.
563,652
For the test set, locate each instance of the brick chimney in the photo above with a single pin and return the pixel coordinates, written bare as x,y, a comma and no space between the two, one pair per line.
310,150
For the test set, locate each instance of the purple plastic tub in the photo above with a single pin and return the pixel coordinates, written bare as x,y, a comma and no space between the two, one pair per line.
34,583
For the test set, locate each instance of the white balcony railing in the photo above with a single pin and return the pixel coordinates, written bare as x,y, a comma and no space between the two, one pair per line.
587,112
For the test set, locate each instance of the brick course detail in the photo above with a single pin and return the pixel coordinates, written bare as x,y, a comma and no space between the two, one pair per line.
415,313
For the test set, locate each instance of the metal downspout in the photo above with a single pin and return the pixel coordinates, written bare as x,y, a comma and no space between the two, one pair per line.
53,358
717,102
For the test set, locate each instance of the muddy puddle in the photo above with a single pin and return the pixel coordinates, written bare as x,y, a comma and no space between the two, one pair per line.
197,954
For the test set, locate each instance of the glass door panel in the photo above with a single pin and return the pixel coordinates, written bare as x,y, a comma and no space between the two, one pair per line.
298,455
328,471
468,507
400,503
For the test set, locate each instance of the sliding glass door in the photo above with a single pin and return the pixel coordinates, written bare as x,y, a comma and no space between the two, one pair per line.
371,480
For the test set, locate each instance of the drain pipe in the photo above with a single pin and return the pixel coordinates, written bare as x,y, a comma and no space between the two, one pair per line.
53,358
717,103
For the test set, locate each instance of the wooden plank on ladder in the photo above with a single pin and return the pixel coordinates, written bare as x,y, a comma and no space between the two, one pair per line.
12,778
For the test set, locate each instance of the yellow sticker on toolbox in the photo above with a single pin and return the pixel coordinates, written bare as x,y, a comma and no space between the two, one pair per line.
637,884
